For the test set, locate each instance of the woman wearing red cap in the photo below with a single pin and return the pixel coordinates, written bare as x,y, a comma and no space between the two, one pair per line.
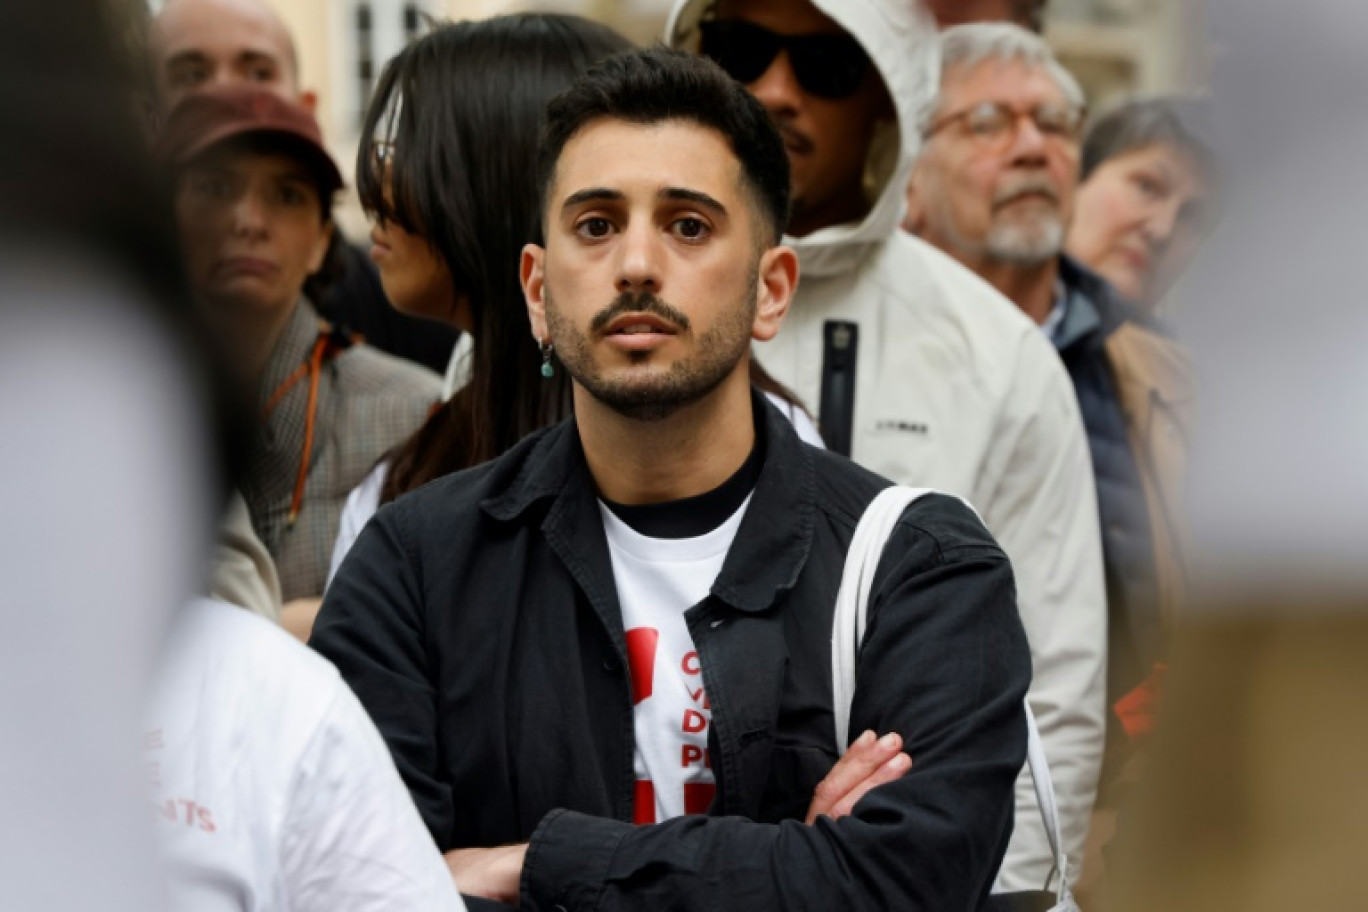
253,191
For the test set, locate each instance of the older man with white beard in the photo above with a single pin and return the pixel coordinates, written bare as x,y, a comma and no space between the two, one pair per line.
994,188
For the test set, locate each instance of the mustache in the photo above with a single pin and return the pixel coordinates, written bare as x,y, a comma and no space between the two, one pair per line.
800,142
1031,183
641,302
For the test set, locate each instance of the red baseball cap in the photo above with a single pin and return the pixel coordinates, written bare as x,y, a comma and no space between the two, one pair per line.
206,119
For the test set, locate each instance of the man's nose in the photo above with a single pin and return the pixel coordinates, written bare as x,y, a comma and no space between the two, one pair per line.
639,260
777,88
1029,144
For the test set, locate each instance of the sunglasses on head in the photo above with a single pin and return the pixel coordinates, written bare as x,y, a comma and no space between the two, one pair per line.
825,65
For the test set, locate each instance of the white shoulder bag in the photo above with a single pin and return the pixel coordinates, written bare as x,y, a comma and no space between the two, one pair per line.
848,627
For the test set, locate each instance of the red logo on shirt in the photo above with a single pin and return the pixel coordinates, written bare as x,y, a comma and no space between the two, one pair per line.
641,654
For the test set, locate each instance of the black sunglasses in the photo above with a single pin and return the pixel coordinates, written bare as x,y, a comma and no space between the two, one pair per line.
825,65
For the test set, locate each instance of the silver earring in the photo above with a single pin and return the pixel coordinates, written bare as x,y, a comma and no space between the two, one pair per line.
547,371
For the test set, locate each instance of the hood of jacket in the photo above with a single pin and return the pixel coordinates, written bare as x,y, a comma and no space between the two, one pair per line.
901,39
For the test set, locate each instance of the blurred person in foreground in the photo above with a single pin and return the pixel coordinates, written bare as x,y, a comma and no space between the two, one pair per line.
446,169
995,189
254,192
1146,196
105,469
627,618
100,557
202,44
921,371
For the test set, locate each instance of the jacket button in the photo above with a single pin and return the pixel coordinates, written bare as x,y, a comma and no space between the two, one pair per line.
612,666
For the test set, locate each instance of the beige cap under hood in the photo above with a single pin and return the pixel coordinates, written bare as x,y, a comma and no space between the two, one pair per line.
901,39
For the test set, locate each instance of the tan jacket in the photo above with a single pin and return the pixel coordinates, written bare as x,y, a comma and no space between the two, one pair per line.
1155,385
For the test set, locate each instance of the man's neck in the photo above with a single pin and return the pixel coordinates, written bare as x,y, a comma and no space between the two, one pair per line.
689,453
847,208
1032,288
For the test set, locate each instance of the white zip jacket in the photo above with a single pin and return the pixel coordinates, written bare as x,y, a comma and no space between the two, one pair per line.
957,390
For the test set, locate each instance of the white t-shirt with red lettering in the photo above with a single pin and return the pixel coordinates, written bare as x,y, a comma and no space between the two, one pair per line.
273,790
658,579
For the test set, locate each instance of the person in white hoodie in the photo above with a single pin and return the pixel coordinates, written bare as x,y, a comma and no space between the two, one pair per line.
918,369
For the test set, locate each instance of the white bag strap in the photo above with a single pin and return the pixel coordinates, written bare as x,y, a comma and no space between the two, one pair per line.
847,632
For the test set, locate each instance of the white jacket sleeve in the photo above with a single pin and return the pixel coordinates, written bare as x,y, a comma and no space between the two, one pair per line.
1043,511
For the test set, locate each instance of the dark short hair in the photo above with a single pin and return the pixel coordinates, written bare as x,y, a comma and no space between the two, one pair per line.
656,85
1159,120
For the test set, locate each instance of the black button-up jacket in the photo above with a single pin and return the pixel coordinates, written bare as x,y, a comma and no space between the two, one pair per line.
477,620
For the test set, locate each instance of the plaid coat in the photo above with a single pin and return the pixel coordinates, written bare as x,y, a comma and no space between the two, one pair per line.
367,403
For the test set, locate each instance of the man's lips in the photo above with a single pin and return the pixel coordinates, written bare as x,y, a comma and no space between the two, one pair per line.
635,324
638,332
794,142
1038,196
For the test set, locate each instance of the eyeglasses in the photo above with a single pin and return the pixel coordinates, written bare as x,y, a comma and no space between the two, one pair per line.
383,150
825,65
994,126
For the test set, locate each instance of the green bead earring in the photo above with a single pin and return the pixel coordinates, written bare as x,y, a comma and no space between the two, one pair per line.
547,371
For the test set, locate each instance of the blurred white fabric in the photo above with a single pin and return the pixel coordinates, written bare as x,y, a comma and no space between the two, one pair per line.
103,522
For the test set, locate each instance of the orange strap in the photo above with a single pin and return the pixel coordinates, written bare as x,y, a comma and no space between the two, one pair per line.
328,345
1136,711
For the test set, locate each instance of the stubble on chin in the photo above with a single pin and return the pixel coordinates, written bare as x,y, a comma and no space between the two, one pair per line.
652,395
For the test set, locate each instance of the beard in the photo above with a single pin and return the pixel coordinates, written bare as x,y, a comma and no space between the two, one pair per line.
654,395
1026,242
1026,238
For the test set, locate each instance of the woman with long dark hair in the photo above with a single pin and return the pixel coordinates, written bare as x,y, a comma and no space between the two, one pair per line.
446,168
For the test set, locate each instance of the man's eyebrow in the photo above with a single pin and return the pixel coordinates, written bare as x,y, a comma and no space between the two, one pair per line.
693,196
249,57
592,195
182,58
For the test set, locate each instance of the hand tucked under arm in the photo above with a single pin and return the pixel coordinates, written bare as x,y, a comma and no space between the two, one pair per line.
867,763
489,873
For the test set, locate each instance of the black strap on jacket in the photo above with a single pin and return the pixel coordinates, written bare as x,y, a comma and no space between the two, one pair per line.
840,346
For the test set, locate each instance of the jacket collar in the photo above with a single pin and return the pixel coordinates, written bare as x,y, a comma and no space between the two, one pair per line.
1095,308
771,546
291,349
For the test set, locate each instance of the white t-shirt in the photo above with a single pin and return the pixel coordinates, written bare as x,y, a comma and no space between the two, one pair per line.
273,790
658,579
364,500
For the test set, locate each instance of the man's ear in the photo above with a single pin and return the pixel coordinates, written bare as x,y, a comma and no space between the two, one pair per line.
308,99
531,274
778,282
915,218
